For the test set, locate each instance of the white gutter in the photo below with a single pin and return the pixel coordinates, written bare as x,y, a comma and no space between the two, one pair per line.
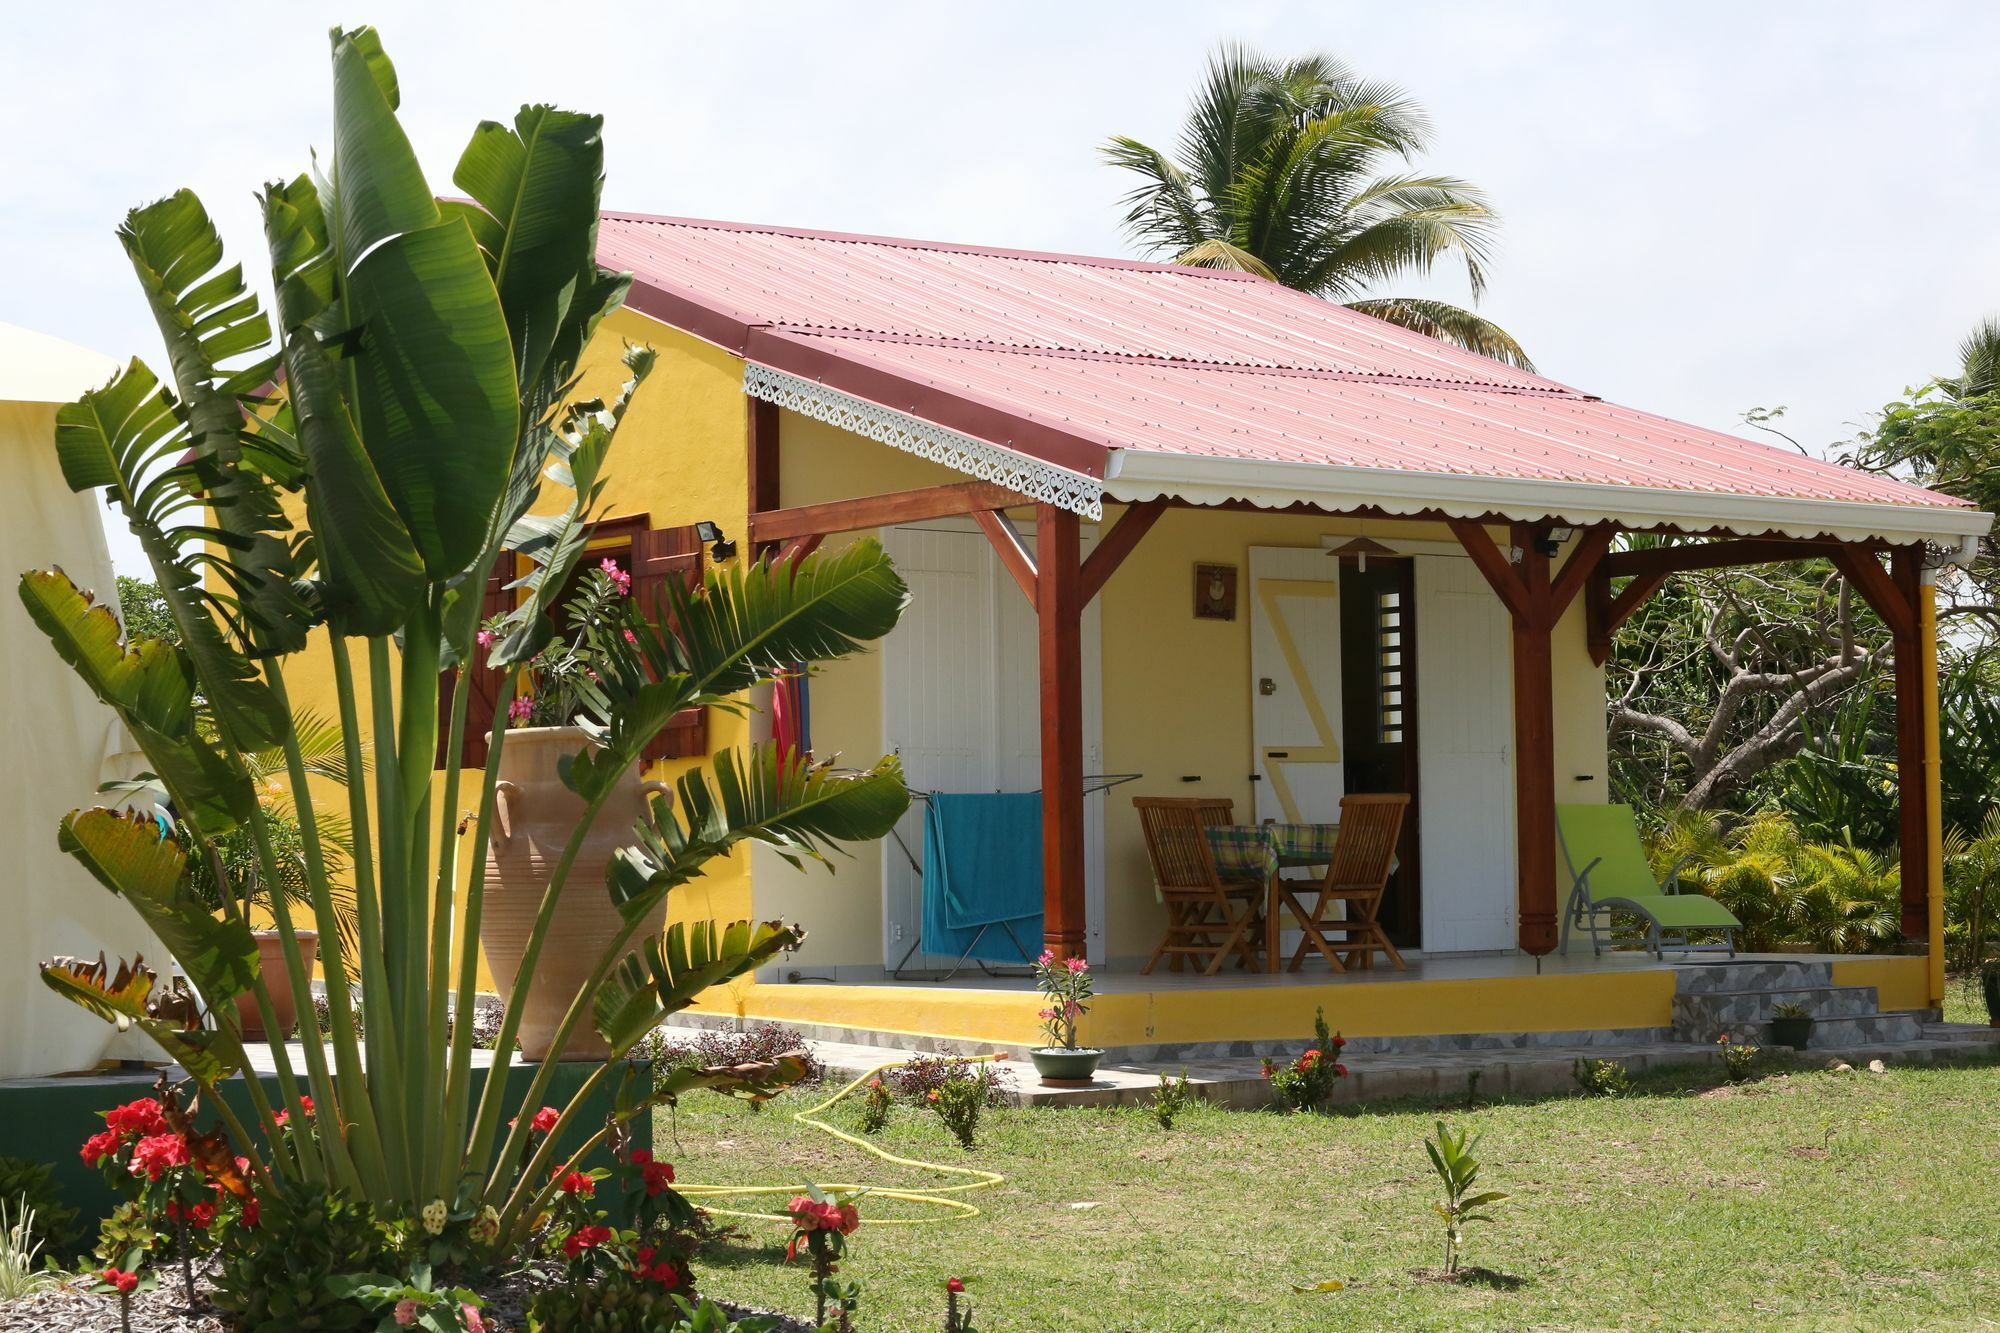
1133,475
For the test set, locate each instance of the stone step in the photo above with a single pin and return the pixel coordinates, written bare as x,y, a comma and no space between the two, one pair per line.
1762,974
1839,1034
1705,1015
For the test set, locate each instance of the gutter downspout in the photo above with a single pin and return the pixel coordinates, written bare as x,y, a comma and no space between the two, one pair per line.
1934,830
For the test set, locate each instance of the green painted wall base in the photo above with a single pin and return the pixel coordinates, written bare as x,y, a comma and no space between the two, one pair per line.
48,1119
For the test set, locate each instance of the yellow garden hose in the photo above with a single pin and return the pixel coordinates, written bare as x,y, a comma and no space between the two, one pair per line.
938,1196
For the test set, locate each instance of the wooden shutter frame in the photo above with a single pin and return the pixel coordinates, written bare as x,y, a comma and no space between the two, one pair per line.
659,554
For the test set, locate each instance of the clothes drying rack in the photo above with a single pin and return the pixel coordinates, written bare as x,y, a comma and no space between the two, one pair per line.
1093,784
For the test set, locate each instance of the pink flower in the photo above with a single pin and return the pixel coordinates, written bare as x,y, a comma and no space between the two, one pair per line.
141,1117
630,637
521,708
619,577
154,1156
470,1313
1048,956
1075,964
406,1311
485,638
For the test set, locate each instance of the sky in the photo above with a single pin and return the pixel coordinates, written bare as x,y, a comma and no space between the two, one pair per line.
1708,207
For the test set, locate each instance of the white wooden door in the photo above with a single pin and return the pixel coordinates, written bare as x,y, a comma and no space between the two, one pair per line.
1295,683
961,703
1465,773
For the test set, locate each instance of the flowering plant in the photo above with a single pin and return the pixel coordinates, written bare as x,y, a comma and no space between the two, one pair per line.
1307,1082
122,1282
821,1224
561,681
1737,1057
1066,985
414,1302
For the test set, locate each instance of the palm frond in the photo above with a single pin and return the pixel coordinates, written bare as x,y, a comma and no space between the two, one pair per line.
1448,323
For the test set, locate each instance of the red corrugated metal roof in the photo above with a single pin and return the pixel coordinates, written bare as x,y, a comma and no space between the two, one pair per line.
1066,359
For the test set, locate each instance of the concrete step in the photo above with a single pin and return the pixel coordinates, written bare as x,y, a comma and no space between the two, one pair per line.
1761,974
1706,1015
1840,1034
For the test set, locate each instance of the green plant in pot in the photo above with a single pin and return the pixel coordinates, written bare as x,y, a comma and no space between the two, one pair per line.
1989,985
1066,986
1791,1025
412,397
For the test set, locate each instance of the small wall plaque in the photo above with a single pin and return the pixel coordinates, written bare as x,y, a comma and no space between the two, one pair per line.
1215,592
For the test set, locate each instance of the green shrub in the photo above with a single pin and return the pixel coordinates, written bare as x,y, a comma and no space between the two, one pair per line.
876,1103
1306,1084
55,1229
957,1102
1602,1078
1172,1099
273,1277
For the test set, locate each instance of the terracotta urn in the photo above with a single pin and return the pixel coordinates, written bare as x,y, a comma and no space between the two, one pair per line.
277,980
533,817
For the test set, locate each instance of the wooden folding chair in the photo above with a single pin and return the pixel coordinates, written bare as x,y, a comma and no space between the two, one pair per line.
1206,916
1364,855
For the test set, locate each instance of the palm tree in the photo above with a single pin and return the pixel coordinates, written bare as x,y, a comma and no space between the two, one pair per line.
1978,362
1281,175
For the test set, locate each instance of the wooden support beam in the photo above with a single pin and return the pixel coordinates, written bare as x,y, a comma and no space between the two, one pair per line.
1007,545
1881,589
880,510
798,548
1579,567
1607,613
1714,555
1115,543
1912,790
1491,562
1059,618
763,456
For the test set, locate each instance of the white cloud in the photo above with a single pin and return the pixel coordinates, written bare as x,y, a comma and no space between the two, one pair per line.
1709,206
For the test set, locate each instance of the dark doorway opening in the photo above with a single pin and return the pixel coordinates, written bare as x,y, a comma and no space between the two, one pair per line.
1378,685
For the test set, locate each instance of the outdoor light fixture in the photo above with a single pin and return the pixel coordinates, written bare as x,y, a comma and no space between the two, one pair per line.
1358,550
720,547
1552,539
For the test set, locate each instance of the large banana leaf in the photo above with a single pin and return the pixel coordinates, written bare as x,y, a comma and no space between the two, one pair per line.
150,684
368,560
537,185
133,857
441,429
773,796
127,999
670,971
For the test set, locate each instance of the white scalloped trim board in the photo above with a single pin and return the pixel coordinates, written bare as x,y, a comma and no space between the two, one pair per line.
976,458
1134,475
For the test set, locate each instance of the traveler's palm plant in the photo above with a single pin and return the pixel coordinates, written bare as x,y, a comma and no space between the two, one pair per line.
1457,1171
424,358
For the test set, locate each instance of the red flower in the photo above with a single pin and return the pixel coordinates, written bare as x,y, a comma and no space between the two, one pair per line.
284,1117
153,1156
201,1214
544,1121
252,1213
658,1175
579,1184
100,1146
585,1238
804,1212
1340,1071
122,1280
955,1286
142,1117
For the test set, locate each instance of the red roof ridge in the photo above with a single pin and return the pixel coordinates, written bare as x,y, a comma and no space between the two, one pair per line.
1552,390
945,247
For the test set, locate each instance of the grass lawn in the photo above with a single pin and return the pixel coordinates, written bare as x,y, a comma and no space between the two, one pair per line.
1807,1200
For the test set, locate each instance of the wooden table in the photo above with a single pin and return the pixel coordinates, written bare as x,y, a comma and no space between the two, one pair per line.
1244,851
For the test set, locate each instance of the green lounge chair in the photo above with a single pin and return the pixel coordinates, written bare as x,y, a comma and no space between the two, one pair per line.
1609,873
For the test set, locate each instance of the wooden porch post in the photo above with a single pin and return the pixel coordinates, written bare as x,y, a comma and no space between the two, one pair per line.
1059,616
1534,602
1912,759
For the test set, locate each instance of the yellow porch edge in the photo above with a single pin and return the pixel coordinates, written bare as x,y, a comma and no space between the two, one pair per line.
1006,1018
1900,983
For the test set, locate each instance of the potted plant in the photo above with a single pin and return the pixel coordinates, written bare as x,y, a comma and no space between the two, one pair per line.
1989,983
233,865
1791,1025
1066,985
553,716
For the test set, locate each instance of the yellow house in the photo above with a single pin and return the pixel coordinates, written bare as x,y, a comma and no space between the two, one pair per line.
1175,533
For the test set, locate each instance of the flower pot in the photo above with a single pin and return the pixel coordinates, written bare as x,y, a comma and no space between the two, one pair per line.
1793,1032
533,817
1989,984
1065,1067
277,980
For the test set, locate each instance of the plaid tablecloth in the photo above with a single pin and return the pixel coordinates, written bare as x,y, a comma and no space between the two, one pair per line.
1257,851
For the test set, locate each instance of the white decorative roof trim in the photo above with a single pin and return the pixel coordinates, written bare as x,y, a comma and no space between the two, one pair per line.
1043,482
1133,475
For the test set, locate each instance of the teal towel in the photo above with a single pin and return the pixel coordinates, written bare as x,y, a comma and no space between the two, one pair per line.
982,867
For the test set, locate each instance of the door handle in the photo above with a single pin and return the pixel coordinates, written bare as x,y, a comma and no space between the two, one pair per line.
1265,685
1277,754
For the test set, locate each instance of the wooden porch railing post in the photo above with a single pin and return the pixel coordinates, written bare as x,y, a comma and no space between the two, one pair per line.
1534,748
1912,788
1059,617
